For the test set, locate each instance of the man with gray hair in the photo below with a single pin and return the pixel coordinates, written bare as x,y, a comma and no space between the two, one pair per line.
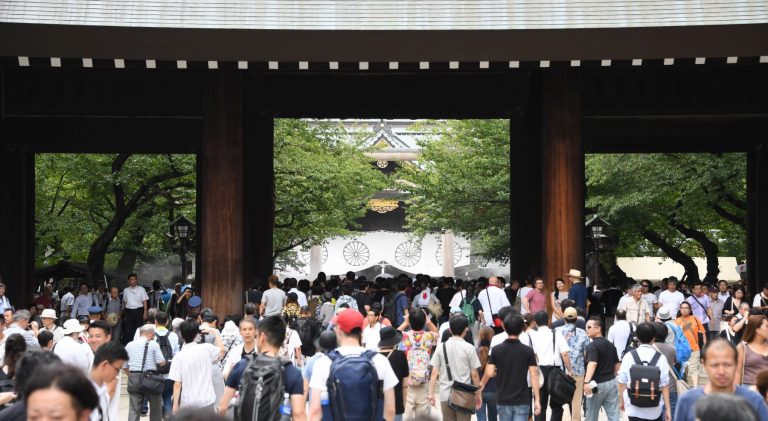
144,354
635,306
19,325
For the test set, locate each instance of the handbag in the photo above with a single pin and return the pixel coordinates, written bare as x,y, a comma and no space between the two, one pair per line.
463,397
561,386
151,381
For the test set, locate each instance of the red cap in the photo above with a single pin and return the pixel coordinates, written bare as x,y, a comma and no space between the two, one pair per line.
349,319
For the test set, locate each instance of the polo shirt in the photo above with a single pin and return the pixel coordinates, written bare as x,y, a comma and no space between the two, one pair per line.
512,360
536,301
134,297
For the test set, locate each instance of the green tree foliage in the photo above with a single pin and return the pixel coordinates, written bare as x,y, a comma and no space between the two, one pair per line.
109,210
323,182
461,183
675,205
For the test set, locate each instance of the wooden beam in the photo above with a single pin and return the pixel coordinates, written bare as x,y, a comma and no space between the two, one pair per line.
220,224
76,134
562,197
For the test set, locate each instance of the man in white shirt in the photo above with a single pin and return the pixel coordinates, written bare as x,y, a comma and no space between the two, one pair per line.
191,368
49,324
549,357
760,302
135,305
619,333
107,362
143,355
67,302
645,353
722,291
635,307
20,325
492,300
70,350
671,298
348,332
649,296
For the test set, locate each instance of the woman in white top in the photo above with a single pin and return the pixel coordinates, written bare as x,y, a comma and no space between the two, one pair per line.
559,294
371,335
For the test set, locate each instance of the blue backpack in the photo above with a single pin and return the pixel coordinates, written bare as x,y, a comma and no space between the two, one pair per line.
354,388
682,347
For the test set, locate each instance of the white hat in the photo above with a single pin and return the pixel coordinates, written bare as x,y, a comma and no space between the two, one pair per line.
72,326
48,313
573,273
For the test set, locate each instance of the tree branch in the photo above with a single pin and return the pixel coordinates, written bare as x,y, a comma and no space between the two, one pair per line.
673,252
723,213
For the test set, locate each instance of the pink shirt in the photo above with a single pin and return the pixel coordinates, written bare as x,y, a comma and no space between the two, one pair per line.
536,301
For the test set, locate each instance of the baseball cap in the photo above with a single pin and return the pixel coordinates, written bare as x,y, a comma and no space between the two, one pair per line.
348,320
570,313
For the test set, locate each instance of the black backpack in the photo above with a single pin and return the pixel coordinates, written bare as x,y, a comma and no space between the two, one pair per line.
644,378
261,389
389,306
167,350
632,341
306,329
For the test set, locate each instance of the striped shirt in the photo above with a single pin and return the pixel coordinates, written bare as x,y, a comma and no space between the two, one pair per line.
192,368
135,350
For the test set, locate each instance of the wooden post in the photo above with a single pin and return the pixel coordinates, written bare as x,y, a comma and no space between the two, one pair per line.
562,201
258,192
525,187
220,224
17,223
757,219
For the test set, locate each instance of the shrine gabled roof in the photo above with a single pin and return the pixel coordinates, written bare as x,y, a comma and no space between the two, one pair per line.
385,14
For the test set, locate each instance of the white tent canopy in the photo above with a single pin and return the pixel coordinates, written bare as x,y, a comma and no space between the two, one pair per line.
658,268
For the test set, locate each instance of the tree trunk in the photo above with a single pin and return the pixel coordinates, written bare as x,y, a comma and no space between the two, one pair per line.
674,253
711,250
98,251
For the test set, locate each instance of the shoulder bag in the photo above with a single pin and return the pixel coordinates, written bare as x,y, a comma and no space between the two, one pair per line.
561,387
497,322
151,382
463,397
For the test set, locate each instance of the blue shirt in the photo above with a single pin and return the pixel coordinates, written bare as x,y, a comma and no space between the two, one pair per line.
294,384
577,346
687,401
578,293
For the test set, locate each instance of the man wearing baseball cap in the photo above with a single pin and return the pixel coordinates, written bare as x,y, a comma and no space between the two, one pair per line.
577,340
349,324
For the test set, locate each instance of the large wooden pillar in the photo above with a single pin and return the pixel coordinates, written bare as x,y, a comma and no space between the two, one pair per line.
757,219
525,186
17,222
562,157
259,193
220,223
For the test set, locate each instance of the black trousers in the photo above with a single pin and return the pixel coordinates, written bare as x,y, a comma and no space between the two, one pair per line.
556,409
133,318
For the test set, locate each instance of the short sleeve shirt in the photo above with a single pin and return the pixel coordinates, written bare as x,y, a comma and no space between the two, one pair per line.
322,369
294,384
577,345
536,301
512,360
134,297
135,351
604,354
400,366
462,358
273,300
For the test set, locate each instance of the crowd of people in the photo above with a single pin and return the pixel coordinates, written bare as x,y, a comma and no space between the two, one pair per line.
347,348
